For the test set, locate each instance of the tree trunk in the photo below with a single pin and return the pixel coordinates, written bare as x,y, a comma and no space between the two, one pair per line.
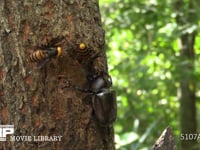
187,97
44,98
188,122
166,141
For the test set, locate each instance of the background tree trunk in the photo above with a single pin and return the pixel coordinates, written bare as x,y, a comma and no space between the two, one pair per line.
188,122
36,103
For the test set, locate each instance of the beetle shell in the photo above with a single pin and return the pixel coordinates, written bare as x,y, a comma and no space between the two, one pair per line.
100,83
105,106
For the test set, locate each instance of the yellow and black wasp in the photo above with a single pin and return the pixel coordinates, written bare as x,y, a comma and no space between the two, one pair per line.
82,52
41,56
45,54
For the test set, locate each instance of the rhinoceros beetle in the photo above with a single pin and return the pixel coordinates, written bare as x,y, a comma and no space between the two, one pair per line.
102,96
103,99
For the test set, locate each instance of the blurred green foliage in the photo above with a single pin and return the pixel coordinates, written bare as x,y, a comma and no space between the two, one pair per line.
143,55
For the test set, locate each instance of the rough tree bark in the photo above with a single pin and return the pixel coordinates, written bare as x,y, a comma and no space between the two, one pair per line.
36,102
188,122
166,141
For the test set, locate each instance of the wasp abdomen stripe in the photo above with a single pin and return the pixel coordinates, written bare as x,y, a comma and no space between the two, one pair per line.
40,55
